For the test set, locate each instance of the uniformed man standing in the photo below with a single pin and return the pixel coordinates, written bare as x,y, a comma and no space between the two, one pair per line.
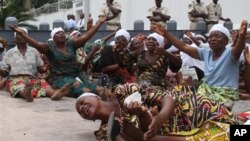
197,12
111,9
214,14
158,13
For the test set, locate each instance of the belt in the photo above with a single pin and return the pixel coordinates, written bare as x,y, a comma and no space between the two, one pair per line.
113,24
212,22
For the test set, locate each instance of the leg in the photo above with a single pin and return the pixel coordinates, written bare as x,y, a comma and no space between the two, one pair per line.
59,93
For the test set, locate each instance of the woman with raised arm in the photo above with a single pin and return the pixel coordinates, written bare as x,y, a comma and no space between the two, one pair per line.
218,59
61,53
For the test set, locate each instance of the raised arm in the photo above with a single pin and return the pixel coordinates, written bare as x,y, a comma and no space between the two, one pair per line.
240,43
193,52
42,47
85,37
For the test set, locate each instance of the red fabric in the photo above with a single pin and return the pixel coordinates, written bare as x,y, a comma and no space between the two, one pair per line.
128,78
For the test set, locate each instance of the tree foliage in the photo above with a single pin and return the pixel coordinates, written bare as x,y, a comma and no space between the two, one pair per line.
14,8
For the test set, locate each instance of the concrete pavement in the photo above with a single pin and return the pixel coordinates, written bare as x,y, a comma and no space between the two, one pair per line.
43,120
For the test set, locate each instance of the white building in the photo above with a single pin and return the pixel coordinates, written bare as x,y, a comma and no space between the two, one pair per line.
132,10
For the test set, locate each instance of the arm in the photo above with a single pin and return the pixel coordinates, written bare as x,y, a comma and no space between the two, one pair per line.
247,73
106,38
193,52
240,43
85,37
168,106
114,10
110,68
42,47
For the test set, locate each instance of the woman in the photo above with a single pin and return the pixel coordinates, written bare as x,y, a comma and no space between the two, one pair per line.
182,113
219,59
61,53
152,63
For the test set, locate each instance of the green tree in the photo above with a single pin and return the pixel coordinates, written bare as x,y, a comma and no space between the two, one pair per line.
14,8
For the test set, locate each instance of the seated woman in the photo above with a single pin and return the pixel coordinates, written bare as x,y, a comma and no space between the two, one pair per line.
218,59
182,113
61,52
153,63
22,64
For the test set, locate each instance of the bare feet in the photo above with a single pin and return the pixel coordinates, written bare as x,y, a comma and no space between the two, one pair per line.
244,96
61,92
130,132
27,93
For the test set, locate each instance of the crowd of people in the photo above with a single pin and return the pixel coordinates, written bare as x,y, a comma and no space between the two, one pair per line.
147,87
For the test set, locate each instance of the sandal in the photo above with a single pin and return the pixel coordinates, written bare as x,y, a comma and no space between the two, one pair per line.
113,128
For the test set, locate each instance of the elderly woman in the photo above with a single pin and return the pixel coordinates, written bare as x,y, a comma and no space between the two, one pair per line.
218,59
61,53
21,64
183,115
152,63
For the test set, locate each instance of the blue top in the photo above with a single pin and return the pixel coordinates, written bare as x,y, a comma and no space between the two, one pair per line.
224,71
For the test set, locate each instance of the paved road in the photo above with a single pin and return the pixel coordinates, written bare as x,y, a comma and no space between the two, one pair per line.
43,120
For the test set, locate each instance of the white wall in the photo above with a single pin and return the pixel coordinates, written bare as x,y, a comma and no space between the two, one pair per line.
132,10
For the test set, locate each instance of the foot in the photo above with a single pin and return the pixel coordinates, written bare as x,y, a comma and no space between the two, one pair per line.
130,132
244,96
28,94
61,92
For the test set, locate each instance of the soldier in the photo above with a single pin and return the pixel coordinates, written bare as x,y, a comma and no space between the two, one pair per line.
111,9
158,13
214,14
197,12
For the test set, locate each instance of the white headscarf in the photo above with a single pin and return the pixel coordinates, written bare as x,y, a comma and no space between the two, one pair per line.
159,39
87,94
201,36
124,33
55,30
220,28
24,29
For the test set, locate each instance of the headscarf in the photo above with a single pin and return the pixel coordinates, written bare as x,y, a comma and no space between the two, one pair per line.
124,33
159,39
201,36
55,30
1,45
87,94
220,28
24,29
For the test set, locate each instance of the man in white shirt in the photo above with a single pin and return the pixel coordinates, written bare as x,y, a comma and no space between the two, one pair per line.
80,24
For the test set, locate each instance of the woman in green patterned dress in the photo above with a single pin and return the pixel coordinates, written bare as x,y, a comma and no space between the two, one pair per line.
61,52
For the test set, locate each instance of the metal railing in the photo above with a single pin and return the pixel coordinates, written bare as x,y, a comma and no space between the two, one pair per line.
52,8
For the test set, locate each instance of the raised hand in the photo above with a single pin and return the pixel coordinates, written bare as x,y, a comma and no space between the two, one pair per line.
15,28
158,28
243,29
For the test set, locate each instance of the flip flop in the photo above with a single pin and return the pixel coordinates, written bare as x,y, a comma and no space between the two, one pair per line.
113,128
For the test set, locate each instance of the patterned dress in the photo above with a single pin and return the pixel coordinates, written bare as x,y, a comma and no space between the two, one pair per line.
196,117
64,69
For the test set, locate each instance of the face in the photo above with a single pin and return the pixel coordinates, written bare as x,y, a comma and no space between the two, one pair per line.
217,40
20,39
87,107
198,1
158,3
215,1
136,45
121,41
151,43
187,41
60,37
